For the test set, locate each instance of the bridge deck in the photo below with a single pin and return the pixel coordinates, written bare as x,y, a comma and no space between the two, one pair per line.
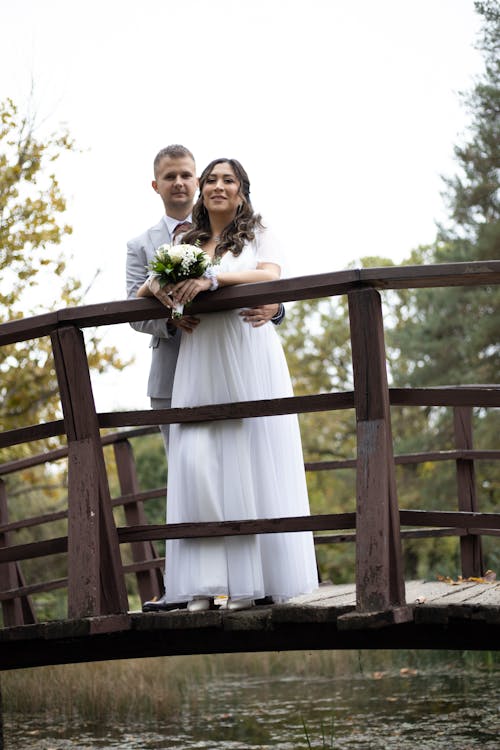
438,615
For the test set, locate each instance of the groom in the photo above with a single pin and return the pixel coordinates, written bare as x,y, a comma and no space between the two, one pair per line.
176,183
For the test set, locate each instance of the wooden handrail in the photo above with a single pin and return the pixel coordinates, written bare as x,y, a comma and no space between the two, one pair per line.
337,283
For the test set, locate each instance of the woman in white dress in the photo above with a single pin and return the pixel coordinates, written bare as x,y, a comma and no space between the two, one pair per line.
236,469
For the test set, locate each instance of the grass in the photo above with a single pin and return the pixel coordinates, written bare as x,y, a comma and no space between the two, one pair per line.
158,688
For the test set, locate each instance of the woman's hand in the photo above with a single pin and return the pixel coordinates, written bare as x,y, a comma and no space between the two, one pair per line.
186,291
152,288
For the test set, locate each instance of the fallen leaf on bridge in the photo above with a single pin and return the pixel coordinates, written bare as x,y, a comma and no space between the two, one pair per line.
489,577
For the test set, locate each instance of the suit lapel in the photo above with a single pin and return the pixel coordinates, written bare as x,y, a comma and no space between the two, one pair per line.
159,235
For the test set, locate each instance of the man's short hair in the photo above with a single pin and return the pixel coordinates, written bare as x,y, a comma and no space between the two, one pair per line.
174,151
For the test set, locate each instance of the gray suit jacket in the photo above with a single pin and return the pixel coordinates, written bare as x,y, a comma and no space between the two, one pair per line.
164,345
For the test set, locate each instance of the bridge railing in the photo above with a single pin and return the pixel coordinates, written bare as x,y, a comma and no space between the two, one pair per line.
95,580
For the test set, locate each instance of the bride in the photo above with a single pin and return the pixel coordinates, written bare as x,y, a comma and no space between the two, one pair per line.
242,468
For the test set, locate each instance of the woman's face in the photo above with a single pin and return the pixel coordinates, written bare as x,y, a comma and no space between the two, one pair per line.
221,191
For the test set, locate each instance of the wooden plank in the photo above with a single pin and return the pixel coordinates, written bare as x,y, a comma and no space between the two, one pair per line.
81,425
10,467
158,563
477,395
239,410
18,610
436,275
27,523
403,459
84,590
34,588
32,433
450,519
305,622
23,329
32,550
236,528
375,620
149,581
478,273
483,522
471,551
379,567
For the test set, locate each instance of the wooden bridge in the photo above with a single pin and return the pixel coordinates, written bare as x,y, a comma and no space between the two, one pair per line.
379,610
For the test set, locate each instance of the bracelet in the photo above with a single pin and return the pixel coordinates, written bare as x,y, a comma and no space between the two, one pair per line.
210,274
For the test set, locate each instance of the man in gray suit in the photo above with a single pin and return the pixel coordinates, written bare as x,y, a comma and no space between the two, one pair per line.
176,183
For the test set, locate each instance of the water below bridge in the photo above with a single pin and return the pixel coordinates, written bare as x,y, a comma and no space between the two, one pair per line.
429,700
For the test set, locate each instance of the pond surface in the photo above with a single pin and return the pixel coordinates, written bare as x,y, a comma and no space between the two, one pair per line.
437,708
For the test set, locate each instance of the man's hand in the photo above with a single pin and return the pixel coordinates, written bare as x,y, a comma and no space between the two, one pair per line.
258,316
187,323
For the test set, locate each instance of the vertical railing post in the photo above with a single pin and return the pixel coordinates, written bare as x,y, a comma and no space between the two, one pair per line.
18,611
149,582
470,546
96,584
379,568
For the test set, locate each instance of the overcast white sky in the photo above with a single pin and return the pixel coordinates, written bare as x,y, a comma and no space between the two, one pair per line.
342,111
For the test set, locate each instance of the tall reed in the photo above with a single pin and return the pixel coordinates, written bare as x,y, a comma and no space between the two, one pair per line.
161,687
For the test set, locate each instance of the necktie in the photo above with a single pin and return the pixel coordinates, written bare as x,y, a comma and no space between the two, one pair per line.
183,226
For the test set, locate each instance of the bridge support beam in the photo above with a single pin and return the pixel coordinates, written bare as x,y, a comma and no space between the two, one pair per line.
471,550
149,582
96,584
379,569
18,610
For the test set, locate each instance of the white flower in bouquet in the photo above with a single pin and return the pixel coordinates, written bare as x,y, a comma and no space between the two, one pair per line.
173,263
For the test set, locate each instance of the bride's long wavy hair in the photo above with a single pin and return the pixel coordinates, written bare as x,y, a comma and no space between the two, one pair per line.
242,227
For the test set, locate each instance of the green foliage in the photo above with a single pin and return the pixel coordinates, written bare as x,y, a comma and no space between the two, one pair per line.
434,337
33,274
34,279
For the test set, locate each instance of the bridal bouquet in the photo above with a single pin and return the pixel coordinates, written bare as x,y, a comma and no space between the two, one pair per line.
173,263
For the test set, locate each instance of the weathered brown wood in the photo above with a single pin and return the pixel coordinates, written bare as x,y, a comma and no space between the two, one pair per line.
23,329
239,410
90,489
470,546
408,458
10,467
483,523
32,550
84,554
30,434
438,274
228,528
34,588
150,581
379,568
139,497
19,610
158,563
374,432
460,395
464,617
444,518
27,523
487,396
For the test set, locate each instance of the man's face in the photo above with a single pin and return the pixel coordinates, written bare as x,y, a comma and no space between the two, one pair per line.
176,183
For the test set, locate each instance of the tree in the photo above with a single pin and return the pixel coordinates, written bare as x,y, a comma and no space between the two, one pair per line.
33,274
34,278
470,318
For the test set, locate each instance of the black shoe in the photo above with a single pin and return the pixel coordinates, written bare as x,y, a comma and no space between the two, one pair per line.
162,605
266,600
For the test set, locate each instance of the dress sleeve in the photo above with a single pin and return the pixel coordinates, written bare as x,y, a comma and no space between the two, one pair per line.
269,249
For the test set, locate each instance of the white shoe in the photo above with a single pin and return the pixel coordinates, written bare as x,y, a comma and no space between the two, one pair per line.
235,604
200,604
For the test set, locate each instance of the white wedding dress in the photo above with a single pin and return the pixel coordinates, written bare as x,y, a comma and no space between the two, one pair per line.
237,469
